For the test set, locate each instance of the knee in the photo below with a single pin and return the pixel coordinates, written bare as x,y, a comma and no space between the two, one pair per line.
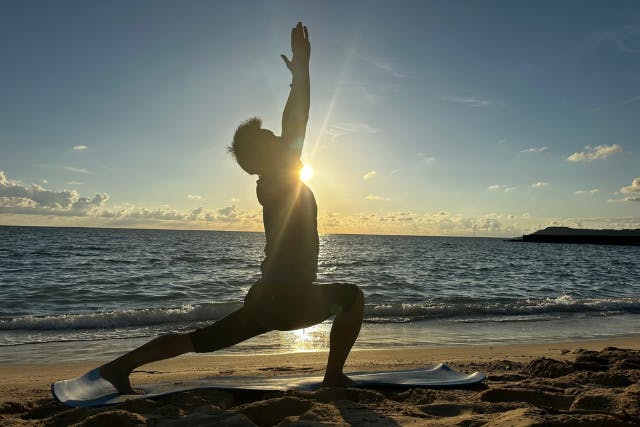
357,300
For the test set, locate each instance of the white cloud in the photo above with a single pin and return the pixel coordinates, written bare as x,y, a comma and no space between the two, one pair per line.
223,217
194,197
44,181
380,64
595,153
80,147
540,184
20,199
408,222
425,158
376,198
586,192
76,170
535,150
338,130
470,101
74,183
633,188
502,188
369,175
36,200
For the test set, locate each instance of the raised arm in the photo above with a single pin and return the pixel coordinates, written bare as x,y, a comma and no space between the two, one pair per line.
296,111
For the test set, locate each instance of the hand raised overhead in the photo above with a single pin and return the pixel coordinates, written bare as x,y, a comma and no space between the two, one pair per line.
301,50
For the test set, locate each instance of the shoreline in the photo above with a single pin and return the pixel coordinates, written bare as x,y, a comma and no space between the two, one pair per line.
434,334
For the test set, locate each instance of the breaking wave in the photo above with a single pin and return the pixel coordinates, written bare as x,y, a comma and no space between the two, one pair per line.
509,310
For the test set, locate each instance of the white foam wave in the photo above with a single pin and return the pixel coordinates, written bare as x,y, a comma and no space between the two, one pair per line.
560,304
121,319
373,313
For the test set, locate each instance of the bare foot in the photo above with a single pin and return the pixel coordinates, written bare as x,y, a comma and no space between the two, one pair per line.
340,380
119,380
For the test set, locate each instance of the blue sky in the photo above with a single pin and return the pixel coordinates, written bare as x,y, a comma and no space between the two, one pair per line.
427,117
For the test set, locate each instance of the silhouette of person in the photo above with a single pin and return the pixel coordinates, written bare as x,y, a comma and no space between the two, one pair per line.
285,297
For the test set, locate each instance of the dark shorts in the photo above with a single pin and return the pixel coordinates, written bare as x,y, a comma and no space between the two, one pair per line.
280,307
293,306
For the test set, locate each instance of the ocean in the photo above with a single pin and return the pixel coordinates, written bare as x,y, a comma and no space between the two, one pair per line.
70,294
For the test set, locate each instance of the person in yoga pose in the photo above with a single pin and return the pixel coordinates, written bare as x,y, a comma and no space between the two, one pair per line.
285,297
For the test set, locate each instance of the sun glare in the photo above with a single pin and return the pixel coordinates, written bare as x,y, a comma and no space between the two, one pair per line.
306,173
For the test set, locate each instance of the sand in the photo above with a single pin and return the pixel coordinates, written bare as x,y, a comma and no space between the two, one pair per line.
589,383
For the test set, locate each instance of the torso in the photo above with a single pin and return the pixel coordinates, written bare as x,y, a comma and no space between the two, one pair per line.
290,224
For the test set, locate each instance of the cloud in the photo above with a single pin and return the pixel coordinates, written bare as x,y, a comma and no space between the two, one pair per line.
389,68
586,192
372,93
595,153
379,64
535,150
134,214
194,197
625,39
398,217
222,217
604,222
34,199
470,101
425,158
502,188
79,147
74,183
76,170
414,223
622,103
369,175
540,184
376,198
339,130
633,188
20,199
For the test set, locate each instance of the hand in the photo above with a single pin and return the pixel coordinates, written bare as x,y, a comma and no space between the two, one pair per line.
299,64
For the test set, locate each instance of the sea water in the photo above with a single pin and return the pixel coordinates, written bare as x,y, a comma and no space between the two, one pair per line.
89,293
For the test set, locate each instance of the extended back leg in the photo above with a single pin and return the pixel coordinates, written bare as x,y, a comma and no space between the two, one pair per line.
230,330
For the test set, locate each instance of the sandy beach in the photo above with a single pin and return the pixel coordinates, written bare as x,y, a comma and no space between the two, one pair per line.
590,383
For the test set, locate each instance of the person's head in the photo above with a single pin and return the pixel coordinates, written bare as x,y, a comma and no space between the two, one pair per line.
256,150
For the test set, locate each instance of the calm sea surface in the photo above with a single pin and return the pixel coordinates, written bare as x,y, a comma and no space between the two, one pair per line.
80,293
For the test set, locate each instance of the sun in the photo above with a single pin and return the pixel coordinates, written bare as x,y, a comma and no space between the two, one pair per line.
306,173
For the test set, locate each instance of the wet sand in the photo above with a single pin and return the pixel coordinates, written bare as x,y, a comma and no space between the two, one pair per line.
590,383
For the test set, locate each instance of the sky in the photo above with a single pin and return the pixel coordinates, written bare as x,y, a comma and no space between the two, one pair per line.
465,118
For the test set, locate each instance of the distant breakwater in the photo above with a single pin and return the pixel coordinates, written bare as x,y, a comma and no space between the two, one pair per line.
580,236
